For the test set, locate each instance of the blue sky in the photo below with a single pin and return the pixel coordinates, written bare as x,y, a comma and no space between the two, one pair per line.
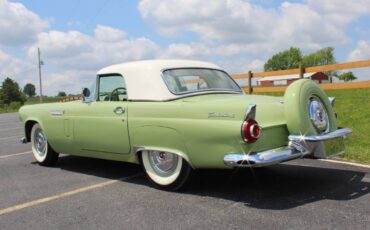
79,37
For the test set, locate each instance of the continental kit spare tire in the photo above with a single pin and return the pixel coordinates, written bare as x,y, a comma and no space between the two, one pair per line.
296,102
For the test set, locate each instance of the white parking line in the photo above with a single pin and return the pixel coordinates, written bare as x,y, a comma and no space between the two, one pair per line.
346,163
65,194
15,154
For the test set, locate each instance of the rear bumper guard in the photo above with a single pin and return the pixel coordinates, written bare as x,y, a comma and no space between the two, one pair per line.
337,133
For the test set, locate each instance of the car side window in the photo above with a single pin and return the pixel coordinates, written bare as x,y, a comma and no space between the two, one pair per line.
112,88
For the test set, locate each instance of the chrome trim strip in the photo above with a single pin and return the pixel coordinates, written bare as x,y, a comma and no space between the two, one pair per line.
251,112
265,158
337,133
56,112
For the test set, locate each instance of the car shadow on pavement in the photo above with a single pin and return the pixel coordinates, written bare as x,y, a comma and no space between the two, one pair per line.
277,187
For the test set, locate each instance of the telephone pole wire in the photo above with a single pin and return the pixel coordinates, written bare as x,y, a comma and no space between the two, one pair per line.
40,64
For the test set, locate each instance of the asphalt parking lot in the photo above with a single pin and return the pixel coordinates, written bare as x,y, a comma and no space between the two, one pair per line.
83,193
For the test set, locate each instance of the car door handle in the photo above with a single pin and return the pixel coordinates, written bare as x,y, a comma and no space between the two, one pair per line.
119,110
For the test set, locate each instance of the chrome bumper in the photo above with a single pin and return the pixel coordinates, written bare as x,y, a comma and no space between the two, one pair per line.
299,146
265,158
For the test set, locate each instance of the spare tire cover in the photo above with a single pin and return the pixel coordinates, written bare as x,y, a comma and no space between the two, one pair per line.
296,103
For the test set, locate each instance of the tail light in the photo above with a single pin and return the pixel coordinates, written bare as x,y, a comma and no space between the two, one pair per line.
250,131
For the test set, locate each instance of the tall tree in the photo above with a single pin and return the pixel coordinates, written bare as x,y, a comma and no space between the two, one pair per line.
347,76
287,59
10,92
62,94
323,56
29,89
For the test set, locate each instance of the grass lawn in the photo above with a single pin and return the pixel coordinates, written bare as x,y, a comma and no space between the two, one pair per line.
353,109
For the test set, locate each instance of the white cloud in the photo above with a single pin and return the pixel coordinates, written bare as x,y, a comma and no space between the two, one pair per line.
238,35
75,50
251,28
348,10
361,52
14,68
108,34
72,56
199,50
18,25
69,81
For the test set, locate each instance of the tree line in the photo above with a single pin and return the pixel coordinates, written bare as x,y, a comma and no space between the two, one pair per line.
10,92
292,58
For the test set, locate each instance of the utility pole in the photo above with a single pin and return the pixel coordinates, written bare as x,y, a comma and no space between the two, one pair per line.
40,64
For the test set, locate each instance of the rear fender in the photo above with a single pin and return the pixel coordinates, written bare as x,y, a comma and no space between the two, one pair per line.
160,139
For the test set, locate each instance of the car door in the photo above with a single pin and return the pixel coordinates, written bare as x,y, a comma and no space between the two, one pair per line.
101,125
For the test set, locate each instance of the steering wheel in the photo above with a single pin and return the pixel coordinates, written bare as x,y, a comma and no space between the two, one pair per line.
115,93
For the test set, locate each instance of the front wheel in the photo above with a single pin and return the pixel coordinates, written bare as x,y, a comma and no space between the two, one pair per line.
41,149
166,170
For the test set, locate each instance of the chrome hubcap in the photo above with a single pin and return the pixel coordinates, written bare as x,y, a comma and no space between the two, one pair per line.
163,163
318,114
40,142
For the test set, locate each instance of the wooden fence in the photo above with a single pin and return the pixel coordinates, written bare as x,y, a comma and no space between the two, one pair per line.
74,98
325,86
301,71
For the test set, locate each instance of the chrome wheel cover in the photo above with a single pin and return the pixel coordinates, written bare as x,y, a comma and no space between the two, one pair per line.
163,163
39,142
318,114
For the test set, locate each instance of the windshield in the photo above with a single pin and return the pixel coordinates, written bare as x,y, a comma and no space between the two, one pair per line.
189,80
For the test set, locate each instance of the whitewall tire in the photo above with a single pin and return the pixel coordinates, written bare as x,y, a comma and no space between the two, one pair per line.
41,149
166,170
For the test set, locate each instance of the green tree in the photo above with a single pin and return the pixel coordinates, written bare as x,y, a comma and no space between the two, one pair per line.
323,56
62,94
287,59
347,76
10,92
29,89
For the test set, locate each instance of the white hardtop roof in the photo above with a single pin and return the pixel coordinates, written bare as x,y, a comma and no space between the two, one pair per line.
144,78
285,77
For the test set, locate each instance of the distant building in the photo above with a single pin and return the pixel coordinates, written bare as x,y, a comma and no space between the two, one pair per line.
319,77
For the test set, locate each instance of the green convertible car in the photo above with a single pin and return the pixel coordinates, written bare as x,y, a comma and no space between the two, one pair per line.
174,116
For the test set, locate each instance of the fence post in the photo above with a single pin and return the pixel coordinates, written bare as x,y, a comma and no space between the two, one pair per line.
301,71
250,89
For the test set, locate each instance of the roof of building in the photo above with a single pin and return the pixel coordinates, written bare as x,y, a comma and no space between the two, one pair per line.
144,78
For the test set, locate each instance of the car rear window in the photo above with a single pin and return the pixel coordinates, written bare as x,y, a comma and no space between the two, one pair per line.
189,80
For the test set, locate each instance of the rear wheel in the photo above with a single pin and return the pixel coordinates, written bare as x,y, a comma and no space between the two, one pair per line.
166,170
41,149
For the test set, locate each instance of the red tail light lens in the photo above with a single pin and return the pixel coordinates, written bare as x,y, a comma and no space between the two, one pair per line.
250,131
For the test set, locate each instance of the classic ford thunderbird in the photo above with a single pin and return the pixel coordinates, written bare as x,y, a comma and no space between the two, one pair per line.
174,116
